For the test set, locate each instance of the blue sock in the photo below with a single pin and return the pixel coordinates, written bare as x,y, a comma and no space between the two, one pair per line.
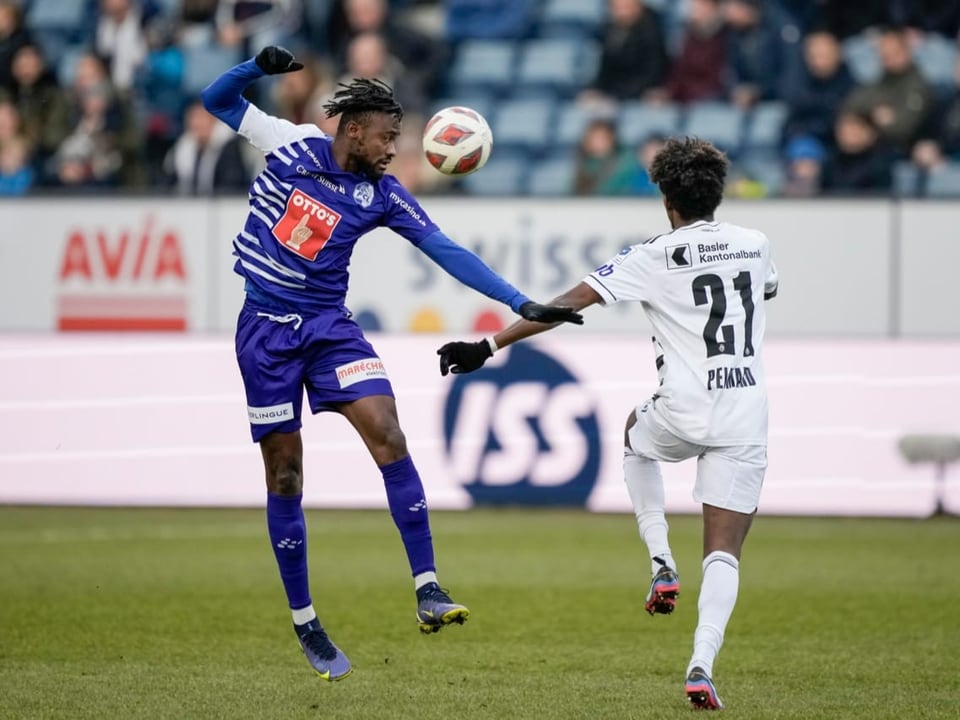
288,535
409,509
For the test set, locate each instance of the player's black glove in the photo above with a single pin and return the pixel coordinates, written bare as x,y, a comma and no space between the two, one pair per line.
463,357
549,313
275,60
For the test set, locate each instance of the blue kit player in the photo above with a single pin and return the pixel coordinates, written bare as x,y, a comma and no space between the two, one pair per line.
316,197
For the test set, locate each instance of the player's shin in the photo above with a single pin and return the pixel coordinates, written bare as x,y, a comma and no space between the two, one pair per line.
645,486
718,595
408,506
288,536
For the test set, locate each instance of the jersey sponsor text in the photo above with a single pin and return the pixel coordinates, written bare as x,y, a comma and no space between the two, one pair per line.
360,370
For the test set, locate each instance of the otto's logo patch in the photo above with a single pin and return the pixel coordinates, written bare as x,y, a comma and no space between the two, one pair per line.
363,194
306,225
360,370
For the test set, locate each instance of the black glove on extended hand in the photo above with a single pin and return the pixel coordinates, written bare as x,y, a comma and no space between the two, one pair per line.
275,60
549,313
463,357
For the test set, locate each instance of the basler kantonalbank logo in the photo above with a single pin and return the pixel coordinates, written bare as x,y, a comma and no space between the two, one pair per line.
123,278
523,432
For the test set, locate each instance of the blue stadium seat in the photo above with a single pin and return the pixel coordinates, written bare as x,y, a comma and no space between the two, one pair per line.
65,15
203,63
482,66
861,55
944,182
906,179
561,65
639,120
553,177
720,123
575,18
502,176
525,124
936,58
765,125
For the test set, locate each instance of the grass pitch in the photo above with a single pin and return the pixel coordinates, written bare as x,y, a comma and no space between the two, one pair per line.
117,613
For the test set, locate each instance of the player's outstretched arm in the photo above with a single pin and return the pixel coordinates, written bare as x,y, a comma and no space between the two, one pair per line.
464,357
224,99
473,272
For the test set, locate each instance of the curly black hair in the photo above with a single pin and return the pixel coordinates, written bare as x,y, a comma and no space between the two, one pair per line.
362,97
690,173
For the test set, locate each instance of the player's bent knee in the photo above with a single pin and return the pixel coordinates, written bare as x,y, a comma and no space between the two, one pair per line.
285,479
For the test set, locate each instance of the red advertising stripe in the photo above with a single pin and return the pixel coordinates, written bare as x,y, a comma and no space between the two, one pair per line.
122,312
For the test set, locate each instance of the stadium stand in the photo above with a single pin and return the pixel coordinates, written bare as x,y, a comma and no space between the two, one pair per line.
530,85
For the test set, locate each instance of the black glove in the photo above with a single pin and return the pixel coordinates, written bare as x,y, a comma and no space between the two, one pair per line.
549,313
275,60
463,357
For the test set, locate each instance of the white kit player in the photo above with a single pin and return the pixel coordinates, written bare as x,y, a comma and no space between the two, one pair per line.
702,286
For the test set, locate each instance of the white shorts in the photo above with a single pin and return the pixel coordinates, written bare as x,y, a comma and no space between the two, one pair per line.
727,477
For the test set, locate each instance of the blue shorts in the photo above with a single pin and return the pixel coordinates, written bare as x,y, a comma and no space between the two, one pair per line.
282,353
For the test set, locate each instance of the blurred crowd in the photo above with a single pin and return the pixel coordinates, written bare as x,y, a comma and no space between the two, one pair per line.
103,93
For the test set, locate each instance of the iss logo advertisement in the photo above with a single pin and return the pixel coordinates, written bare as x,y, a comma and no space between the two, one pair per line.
523,432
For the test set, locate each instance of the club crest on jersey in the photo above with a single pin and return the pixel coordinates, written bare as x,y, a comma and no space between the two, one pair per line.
363,194
306,225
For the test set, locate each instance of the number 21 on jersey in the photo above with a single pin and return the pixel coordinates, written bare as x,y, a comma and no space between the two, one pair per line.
720,338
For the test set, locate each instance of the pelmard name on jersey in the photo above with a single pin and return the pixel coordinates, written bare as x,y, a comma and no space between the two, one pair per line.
715,252
729,378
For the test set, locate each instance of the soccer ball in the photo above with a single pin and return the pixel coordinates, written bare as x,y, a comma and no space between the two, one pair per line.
457,141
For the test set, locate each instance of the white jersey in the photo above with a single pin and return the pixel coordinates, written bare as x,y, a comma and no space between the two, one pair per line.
702,287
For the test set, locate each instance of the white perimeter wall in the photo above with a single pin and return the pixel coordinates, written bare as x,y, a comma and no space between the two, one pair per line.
848,268
154,419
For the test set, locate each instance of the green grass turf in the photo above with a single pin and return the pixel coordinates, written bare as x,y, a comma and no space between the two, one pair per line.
117,613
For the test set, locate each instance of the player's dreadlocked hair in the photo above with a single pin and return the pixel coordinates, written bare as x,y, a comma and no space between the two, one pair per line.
690,173
360,98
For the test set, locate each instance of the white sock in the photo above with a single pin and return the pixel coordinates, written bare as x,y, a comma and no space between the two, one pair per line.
645,485
718,595
303,615
423,579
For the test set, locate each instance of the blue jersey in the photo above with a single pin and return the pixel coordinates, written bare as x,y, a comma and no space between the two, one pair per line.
306,215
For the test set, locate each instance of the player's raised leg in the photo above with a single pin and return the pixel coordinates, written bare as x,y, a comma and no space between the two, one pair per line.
645,486
375,418
283,462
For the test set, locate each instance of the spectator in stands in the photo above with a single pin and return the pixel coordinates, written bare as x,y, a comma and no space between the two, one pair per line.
367,57
16,174
41,101
423,57
16,170
599,159
861,162
760,58
294,93
103,147
632,177
900,101
489,19
940,137
824,84
633,58
700,69
805,156
13,36
207,159
120,39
